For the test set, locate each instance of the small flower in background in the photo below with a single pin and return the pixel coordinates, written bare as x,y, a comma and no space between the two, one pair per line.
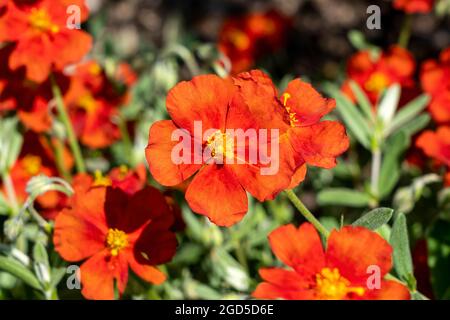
247,38
29,99
297,113
37,30
122,177
435,80
93,100
414,6
37,158
437,146
376,72
114,231
337,273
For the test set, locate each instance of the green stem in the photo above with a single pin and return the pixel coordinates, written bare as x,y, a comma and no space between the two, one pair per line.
125,137
10,192
64,117
405,32
375,171
240,255
58,147
306,213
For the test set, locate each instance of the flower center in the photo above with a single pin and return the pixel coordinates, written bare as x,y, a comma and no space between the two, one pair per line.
39,19
123,171
221,145
377,82
32,164
88,103
100,180
239,39
292,118
330,285
116,240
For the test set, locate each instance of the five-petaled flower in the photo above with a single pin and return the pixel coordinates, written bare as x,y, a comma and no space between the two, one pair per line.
38,30
338,273
375,72
113,231
247,38
93,100
218,190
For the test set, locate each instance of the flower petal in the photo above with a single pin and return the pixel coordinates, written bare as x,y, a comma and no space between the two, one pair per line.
281,283
216,193
352,250
320,144
98,274
390,290
205,98
298,248
159,155
307,104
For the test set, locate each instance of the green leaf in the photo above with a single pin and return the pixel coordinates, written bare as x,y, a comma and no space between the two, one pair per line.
417,124
362,99
390,168
389,104
41,263
354,120
343,197
416,295
17,269
408,112
375,218
400,244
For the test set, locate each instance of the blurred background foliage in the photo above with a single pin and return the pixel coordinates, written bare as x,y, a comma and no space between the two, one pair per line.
173,40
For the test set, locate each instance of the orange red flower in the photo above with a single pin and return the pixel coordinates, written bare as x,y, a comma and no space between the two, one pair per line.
247,38
114,231
249,101
38,29
375,74
93,101
338,273
436,145
414,6
218,190
435,79
122,177
29,99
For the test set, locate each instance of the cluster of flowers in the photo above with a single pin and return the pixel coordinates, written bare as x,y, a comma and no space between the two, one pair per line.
376,72
116,221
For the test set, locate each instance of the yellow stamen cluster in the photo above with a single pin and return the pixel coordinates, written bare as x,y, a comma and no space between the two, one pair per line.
239,39
377,82
116,240
101,180
292,115
88,103
221,145
32,164
40,20
330,285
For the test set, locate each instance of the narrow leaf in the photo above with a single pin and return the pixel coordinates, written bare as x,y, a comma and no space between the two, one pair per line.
20,271
389,103
400,244
375,218
343,197
409,112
